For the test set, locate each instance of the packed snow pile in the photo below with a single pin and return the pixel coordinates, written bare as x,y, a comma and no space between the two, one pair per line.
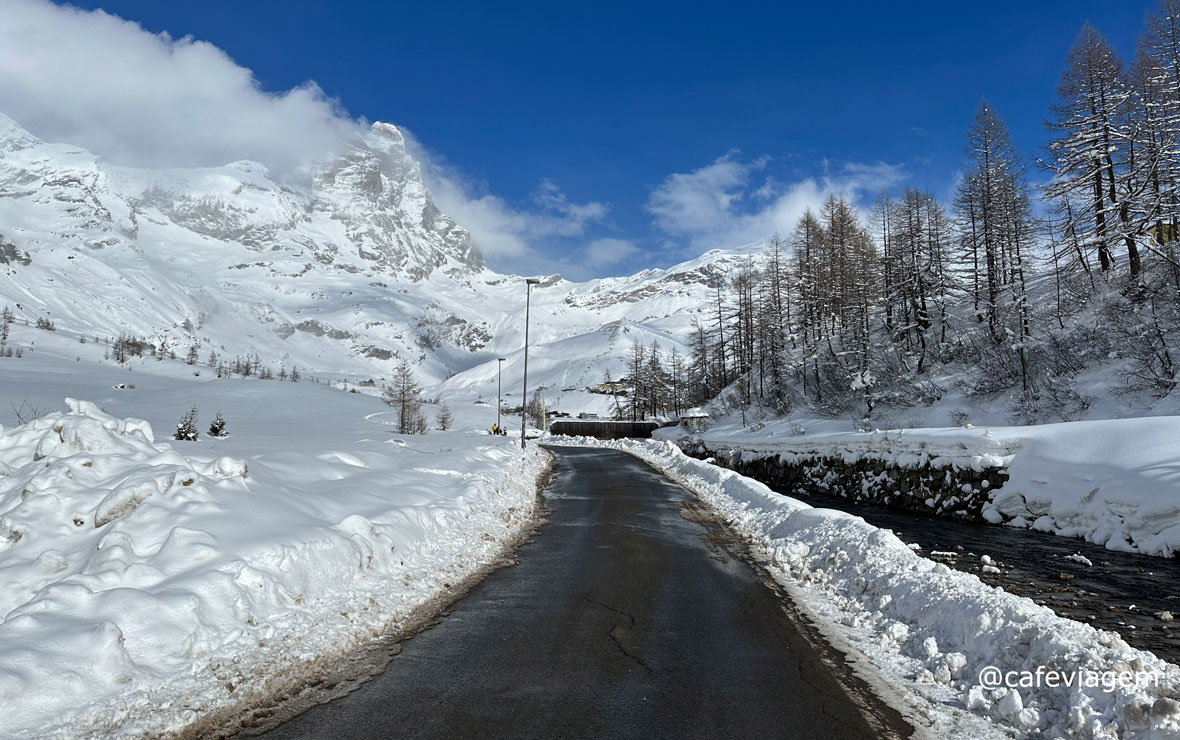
143,589
1112,482
936,633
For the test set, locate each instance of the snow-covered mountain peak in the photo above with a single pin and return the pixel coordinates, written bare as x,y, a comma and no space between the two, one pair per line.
376,189
389,136
14,138
340,268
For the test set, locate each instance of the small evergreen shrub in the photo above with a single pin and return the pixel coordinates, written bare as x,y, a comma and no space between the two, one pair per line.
186,428
217,427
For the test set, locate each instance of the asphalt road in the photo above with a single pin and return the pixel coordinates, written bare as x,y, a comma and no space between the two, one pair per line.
629,614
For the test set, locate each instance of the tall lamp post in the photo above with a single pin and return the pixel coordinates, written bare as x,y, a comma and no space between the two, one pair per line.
499,405
528,291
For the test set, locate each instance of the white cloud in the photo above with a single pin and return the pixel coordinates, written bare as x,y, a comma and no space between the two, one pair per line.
150,100
696,202
95,80
605,252
718,205
568,219
509,236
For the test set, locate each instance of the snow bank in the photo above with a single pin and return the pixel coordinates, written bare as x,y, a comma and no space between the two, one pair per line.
929,630
143,590
1112,482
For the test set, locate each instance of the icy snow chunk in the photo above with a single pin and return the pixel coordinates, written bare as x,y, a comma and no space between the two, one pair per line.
1079,558
115,663
184,548
930,647
1011,705
1043,524
897,632
956,664
977,700
124,499
227,467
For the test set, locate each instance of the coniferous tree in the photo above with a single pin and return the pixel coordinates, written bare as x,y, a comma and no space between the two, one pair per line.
444,418
535,409
677,375
807,242
186,428
637,395
774,325
1092,152
921,282
997,231
1157,77
404,395
217,427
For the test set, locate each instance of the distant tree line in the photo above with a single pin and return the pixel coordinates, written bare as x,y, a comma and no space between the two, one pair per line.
653,384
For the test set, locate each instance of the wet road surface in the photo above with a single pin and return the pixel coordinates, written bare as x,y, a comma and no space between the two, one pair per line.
1123,592
629,614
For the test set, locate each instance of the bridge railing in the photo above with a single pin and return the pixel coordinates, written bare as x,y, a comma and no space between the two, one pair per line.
603,429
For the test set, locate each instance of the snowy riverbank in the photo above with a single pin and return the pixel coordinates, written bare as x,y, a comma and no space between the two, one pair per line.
148,585
1112,482
928,631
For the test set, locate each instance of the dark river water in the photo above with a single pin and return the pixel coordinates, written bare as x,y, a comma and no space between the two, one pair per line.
1121,592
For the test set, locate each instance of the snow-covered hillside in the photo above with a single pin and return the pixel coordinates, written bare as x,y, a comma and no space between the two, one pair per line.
153,584
338,269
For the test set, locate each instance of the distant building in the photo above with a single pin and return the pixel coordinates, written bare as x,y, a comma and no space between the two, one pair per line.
694,420
587,415
1163,232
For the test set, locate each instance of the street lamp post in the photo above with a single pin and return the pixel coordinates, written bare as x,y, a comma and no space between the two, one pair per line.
499,404
528,290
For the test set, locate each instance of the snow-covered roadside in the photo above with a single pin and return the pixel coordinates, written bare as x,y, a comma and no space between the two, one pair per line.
1112,482
142,590
929,631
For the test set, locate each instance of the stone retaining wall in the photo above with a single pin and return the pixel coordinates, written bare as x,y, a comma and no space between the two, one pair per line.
947,491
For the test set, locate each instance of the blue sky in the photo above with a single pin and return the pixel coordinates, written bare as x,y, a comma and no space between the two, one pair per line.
601,138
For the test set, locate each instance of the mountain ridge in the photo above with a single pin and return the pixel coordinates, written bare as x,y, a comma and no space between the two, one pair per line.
340,268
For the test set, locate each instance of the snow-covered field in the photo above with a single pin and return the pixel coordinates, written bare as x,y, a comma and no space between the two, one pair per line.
922,633
1113,482
147,583
150,583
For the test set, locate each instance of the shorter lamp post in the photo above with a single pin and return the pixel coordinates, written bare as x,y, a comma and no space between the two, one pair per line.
528,290
499,404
